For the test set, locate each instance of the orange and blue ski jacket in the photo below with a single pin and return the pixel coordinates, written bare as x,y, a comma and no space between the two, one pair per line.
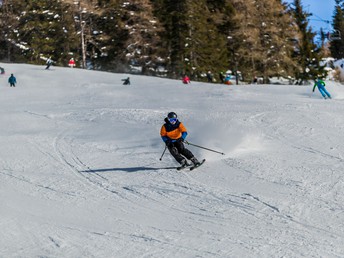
173,132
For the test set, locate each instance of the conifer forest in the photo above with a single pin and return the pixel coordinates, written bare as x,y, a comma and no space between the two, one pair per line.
170,38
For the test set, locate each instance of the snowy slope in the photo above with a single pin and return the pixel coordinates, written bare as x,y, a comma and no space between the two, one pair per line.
80,174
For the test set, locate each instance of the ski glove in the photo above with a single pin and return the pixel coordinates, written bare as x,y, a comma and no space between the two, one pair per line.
169,143
181,139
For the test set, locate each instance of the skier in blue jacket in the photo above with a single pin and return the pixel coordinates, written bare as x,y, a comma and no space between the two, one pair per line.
321,87
12,80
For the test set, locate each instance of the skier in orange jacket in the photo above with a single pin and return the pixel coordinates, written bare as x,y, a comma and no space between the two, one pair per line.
173,133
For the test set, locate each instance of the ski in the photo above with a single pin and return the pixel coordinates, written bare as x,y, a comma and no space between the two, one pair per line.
196,166
183,167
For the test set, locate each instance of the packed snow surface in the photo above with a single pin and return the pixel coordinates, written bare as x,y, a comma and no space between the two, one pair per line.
80,174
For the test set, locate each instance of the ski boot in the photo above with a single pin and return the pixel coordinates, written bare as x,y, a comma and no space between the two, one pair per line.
183,164
195,161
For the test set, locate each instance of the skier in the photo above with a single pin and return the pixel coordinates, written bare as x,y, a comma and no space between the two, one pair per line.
49,62
173,133
71,63
228,79
222,77
12,80
210,77
126,81
186,79
321,87
2,70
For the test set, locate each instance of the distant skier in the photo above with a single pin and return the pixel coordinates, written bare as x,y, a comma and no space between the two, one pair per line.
227,79
71,63
186,79
126,81
2,70
222,77
321,87
49,62
12,80
210,77
173,133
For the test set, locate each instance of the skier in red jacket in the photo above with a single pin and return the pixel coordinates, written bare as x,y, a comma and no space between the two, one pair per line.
186,80
71,63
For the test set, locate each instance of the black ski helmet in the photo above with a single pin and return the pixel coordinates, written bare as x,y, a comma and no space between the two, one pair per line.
172,115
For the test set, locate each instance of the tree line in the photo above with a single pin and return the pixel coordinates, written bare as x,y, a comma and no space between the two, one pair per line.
168,38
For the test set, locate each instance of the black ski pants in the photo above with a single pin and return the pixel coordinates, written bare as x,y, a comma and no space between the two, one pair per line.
178,150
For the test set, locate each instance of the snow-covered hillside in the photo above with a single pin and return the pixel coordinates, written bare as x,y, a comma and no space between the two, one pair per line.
80,174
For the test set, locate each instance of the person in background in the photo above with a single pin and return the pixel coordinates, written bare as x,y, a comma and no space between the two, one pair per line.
173,133
71,63
210,77
49,62
126,81
255,80
227,79
186,79
2,70
12,80
321,87
222,77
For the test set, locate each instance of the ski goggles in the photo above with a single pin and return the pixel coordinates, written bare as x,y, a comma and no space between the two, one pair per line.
172,120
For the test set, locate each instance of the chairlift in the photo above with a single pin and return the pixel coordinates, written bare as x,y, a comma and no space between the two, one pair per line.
334,35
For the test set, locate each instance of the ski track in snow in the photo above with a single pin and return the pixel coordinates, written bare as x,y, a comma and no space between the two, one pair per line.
81,177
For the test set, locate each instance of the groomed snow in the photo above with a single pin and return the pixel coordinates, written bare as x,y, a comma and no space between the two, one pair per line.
80,174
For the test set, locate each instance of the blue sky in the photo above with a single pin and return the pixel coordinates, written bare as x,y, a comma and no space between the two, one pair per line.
321,10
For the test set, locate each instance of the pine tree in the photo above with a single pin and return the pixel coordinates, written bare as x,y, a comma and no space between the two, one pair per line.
275,33
8,22
173,16
205,48
43,30
222,12
113,38
337,45
87,33
194,34
308,55
262,38
143,41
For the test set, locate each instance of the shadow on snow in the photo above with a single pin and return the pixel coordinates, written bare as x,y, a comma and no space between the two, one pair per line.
128,170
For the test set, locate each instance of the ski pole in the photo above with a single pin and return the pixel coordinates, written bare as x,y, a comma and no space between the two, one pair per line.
203,148
163,152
